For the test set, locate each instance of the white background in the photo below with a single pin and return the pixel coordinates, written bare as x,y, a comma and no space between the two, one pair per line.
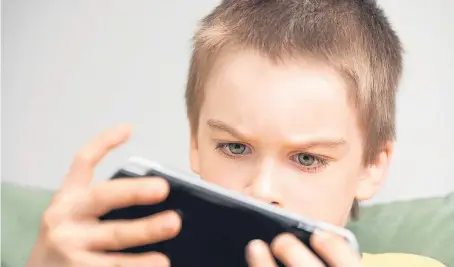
73,68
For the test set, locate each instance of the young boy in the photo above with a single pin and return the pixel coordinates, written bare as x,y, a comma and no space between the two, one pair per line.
289,101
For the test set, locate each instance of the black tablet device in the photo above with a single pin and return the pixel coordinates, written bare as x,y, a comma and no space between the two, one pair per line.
217,224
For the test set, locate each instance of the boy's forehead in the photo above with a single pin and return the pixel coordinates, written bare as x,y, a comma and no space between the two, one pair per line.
255,93
264,77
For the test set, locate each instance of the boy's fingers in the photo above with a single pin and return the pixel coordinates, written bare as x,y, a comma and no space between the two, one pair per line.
334,250
149,259
258,254
291,252
120,193
81,171
121,234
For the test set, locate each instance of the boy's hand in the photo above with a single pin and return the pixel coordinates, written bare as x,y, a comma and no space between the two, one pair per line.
72,235
291,252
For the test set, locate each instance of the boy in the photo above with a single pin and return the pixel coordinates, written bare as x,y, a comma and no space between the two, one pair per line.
290,102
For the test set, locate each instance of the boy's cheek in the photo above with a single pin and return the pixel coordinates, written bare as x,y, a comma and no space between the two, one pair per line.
323,205
328,196
216,169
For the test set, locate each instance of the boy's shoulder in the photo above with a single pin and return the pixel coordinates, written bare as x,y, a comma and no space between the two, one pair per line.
398,260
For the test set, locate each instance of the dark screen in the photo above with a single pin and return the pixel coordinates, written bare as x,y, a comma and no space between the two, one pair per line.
215,232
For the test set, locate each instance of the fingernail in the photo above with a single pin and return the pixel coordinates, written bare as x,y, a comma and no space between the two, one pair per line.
122,129
256,247
180,213
170,221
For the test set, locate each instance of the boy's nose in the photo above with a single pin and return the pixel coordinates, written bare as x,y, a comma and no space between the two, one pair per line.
264,186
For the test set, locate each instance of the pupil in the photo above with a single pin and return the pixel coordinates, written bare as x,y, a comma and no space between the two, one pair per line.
237,148
306,160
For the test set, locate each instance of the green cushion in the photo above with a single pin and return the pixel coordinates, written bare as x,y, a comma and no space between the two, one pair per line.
423,226
21,215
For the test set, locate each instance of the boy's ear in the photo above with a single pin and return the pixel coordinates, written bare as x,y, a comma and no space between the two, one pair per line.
375,174
194,154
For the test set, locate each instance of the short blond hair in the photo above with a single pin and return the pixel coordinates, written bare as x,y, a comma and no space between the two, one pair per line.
352,36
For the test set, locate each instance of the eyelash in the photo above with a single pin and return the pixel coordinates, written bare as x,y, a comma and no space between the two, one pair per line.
223,149
322,162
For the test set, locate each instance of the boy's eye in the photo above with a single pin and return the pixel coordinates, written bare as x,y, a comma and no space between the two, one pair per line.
236,149
309,162
306,160
233,150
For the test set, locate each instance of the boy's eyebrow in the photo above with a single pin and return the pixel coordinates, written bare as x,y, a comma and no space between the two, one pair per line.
221,126
327,143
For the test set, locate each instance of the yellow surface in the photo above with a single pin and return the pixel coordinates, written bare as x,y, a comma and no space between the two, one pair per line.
398,260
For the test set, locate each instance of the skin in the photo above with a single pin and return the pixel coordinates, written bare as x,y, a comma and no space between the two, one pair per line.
286,134
283,133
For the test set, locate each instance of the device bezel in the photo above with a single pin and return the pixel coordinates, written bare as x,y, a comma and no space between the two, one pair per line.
141,166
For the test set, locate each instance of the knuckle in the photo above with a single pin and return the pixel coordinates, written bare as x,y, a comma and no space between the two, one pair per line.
118,238
83,157
64,197
136,196
50,219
